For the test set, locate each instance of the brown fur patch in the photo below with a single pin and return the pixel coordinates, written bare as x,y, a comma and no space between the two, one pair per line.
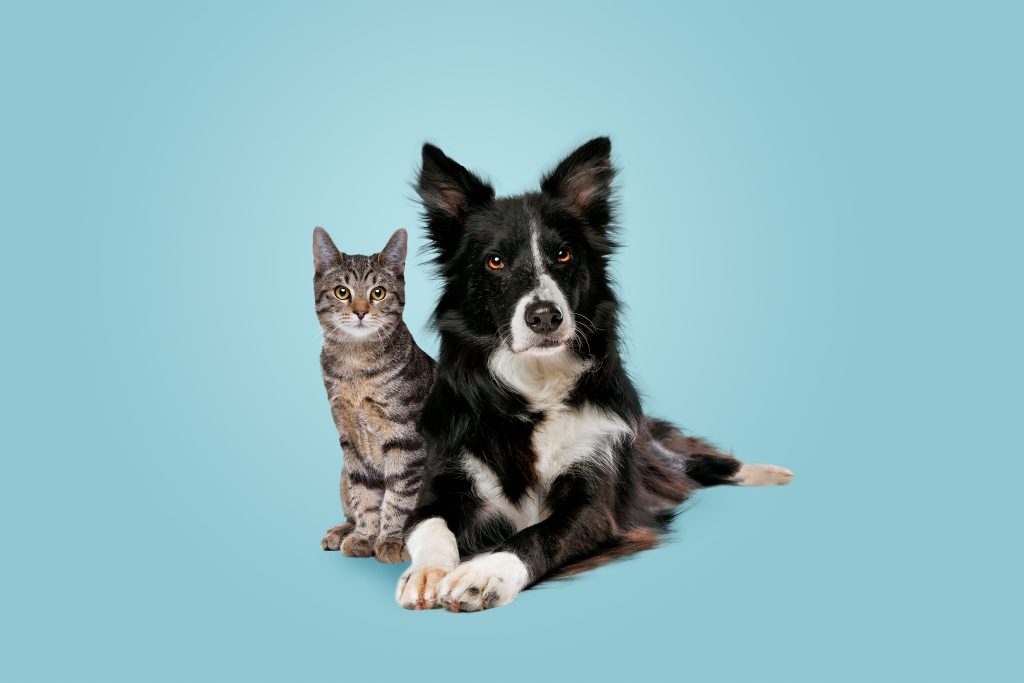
628,543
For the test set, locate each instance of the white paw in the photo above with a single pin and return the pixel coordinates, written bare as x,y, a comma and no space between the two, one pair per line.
417,588
762,475
486,581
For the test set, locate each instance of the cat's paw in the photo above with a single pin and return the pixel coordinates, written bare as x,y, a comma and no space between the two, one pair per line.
357,545
335,535
486,581
417,589
390,551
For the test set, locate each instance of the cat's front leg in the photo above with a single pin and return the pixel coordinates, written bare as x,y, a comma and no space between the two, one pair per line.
390,546
364,494
405,474
336,534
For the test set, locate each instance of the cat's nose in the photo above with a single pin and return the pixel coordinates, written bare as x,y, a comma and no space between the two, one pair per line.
361,314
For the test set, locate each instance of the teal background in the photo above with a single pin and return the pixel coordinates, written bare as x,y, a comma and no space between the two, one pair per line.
822,214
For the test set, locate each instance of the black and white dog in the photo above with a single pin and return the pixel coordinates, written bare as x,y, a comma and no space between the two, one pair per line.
540,460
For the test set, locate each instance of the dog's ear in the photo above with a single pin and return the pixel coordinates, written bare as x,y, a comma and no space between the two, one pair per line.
449,192
325,254
393,253
584,180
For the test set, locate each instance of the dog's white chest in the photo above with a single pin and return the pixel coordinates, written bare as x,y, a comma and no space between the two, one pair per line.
585,435
567,436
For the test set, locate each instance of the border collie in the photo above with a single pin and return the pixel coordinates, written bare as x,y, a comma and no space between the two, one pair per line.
540,461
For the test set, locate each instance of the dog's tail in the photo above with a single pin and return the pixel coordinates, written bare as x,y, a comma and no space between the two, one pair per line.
673,465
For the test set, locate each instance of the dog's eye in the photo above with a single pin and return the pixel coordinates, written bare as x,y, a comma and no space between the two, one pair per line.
564,255
378,293
342,293
495,262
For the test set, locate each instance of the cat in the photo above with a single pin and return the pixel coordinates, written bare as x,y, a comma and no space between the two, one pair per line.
377,379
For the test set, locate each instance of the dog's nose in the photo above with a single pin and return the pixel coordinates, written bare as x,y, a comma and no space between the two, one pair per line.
543,317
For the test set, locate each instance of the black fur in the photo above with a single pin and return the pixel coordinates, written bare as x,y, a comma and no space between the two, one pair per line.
592,518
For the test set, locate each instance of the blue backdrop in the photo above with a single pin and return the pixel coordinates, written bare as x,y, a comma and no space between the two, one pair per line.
822,217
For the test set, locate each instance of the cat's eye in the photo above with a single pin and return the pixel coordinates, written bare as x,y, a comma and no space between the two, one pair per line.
564,255
378,293
342,293
495,262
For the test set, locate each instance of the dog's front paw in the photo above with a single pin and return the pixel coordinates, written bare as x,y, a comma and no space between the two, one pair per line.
486,581
390,550
335,535
417,589
357,545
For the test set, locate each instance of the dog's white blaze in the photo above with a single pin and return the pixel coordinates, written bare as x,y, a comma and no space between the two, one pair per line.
538,262
566,436
432,544
545,289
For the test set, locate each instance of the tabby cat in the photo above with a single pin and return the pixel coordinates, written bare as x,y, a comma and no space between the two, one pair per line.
377,379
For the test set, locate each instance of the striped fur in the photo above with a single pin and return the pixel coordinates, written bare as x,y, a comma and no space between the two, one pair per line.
376,379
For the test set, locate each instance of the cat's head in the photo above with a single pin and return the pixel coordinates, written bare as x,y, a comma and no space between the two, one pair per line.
359,298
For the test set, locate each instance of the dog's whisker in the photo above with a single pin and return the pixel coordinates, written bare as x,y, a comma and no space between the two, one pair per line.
590,323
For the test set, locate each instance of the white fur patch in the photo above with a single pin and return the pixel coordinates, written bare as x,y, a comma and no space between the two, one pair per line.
566,436
544,381
538,260
529,510
488,580
434,553
762,475
432,544
520,331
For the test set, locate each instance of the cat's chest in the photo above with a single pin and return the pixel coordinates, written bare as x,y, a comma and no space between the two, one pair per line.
566,437
359,411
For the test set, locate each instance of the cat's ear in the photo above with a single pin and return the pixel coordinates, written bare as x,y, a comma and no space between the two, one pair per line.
449,193
584,180
393,253
325,254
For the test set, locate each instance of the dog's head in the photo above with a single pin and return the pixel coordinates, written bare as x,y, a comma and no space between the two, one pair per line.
527,271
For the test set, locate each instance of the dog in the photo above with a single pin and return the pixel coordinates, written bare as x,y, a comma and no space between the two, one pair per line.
540,461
